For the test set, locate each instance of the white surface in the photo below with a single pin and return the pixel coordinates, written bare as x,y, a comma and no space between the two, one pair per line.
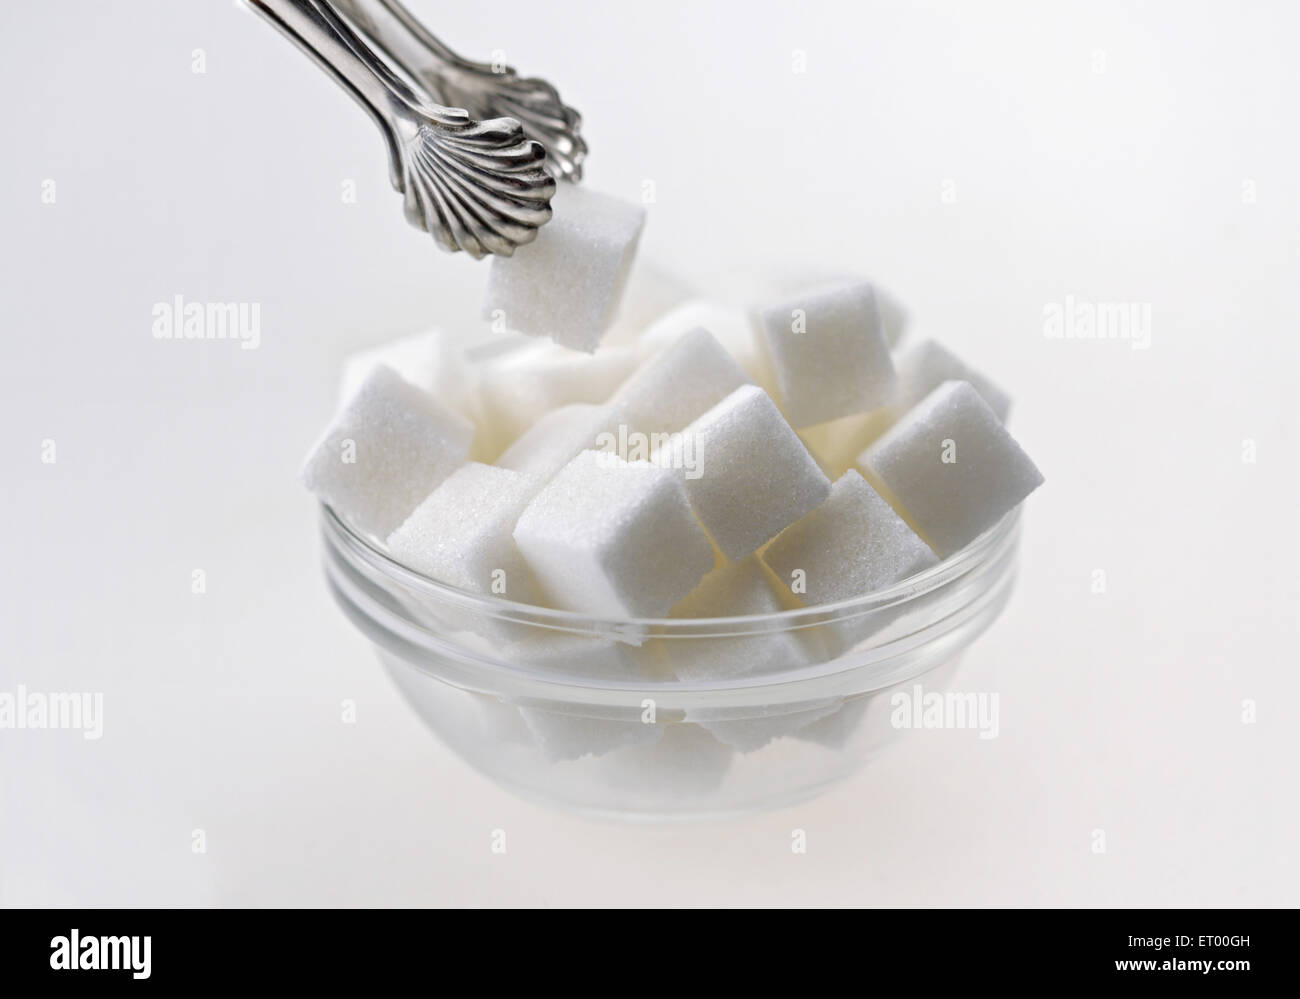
1120,711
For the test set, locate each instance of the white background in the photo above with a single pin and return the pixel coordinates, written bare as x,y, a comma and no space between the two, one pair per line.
1100,150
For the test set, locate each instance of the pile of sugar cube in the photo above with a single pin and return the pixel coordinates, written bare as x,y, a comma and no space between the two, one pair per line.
620,447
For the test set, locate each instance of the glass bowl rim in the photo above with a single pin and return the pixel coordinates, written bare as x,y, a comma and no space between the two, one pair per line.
982,550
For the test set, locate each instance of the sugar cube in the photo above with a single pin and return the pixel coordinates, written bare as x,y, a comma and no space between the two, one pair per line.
557,438
792,278
434,361
461,534
500,720
387,449
611,537
731,327
431,360
749,475
951,467
650,293
760,726
519,387
851,545
921,367
693,373
843,725
893,316
828,353
584,655
925,365
567,283
564,731
735,589
570,736
836,444
686,761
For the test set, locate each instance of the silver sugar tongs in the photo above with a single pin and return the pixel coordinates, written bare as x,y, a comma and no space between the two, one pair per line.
469,144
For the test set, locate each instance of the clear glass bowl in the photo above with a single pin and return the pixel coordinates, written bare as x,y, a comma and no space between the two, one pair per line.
587,713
